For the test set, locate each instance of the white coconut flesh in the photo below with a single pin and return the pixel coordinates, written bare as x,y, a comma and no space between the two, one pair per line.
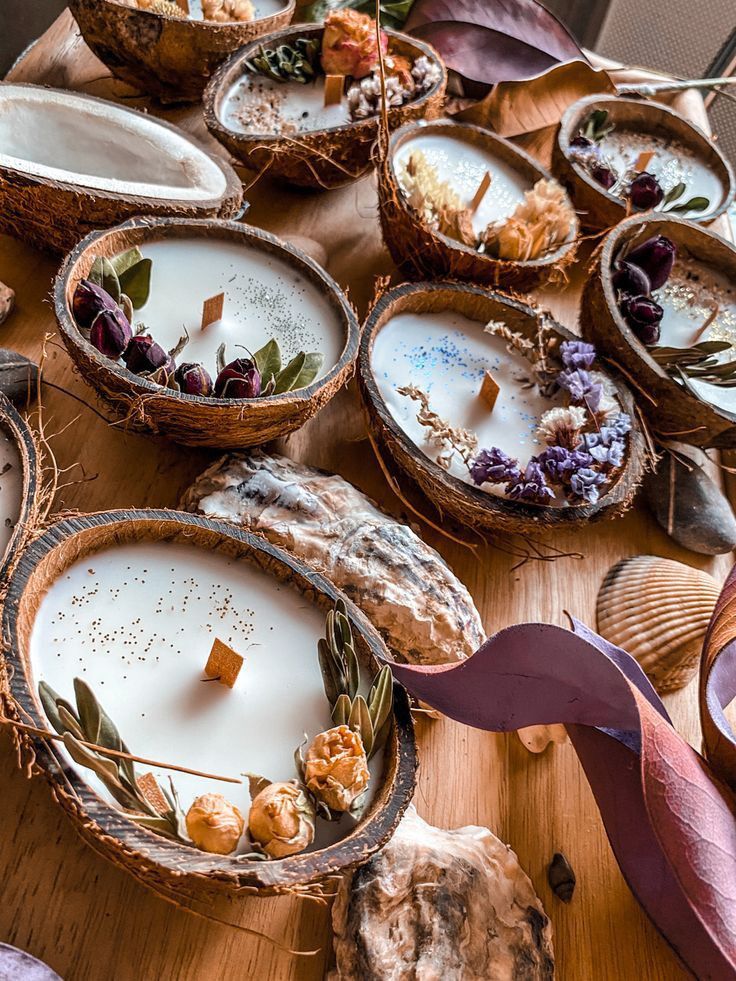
75,139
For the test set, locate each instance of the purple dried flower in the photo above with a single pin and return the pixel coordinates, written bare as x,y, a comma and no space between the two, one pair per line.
577,354
621,424
585,483
558,463
143,354
609,457
90,299
603,175
630,278
643,315
110,333
532,486
193,379
493,466
238,380
645,192
656,257
582,387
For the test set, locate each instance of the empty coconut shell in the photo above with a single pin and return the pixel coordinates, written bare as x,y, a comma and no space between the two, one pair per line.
658,610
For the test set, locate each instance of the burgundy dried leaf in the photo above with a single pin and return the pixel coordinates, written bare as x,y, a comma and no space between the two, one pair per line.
489,41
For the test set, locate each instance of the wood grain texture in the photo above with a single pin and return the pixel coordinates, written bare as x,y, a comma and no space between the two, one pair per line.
92,922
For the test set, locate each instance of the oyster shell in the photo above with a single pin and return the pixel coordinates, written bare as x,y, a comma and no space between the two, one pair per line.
658,610
432,904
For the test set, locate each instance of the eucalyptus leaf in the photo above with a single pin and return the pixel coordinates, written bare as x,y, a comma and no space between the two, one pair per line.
268,360
287,377
103,274
135,282
89,711
48,699
341,711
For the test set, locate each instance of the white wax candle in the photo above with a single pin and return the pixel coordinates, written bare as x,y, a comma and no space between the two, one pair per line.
446,355
688,299
462,166
258,104
673,163
137,623
11,489
265,298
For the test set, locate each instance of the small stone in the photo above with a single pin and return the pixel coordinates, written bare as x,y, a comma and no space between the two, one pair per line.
18,377
7,302
690,507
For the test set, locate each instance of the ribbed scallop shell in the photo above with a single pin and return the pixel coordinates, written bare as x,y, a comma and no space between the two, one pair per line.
658,610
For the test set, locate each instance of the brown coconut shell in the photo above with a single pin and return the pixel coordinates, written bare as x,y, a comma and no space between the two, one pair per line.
322,158
156,861
15,427
422,253
53,215
191,419
170,58
672,412
597,207
472,507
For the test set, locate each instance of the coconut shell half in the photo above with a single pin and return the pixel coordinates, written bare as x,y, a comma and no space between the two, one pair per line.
477,509
70,163
672,411
171,58
320,158
423,253
192,419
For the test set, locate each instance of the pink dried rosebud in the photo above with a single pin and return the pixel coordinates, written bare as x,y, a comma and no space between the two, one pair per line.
238,380
645,192
90,299
110,333
349,44
281,819
143,354
193,379
603,175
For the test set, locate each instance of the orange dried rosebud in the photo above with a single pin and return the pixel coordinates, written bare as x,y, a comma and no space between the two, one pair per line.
281,819
214,824
349,44
336,768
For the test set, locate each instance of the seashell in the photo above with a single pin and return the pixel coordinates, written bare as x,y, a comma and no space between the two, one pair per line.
658,610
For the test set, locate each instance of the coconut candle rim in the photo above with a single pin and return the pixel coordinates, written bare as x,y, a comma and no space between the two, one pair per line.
234,69
101,371
668,120
469,504
716,423
147,855
17,429
287,5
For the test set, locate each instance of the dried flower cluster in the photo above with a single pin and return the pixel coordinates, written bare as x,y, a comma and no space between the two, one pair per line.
213,11
103,307
539,224
403,83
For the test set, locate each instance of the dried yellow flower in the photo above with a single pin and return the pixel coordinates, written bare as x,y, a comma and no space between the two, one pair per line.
539,224
227,11
214,824
434,200
165,7
336,769
282,819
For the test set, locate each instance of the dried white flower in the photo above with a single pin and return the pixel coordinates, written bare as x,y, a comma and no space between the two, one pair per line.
539,224
436,202
561,426
365,98
425,73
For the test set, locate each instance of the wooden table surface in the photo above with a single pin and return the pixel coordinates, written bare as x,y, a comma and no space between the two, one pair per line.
90,920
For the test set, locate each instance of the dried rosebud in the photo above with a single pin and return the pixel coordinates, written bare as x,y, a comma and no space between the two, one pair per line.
193,379
581,143
645,192
282,819
90,299
336,768
214,824
349,44
656,257
643,315
143,354
603,175
238,380
631,279
110,333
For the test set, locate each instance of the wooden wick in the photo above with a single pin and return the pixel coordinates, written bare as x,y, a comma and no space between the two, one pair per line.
489,390
481,192
642,161
118,754
334,87
212,309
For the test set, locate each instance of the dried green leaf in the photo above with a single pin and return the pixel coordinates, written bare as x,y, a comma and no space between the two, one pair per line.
311,368
287,377
103,274
69,720
380,698
124,260
106,770
135,282
353,670
162,824
360,721
89,711
49,699
268,361
596,126
341,711
332,679
694,204
674,193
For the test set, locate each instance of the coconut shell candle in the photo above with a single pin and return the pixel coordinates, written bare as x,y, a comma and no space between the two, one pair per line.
456,200
88,163
277,344
269,104
143,595
660,302
19,483
553,442
159,48
617,156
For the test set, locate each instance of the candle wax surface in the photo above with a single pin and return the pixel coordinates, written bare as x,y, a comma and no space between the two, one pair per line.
672,164
258,104
11,489
265,298
462,166
446,355
137,623
688,299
